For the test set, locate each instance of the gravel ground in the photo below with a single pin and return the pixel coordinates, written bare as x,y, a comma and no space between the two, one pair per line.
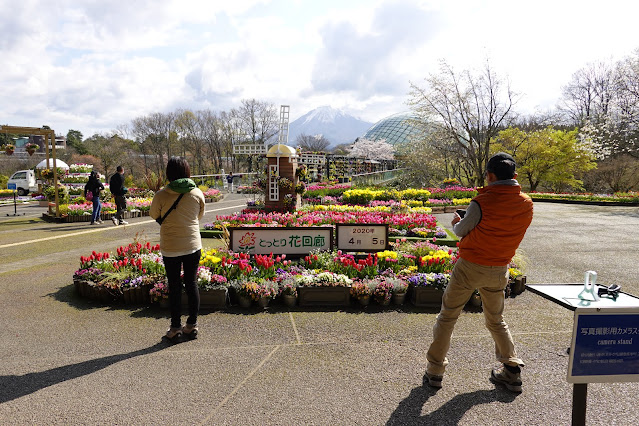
66,360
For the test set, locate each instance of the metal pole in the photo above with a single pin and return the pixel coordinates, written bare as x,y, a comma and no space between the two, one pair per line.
579,400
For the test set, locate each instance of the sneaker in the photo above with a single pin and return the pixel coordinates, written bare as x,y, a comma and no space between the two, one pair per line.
173,333
124,222
507,376
115,221
190,331
99,221
92,223
434,381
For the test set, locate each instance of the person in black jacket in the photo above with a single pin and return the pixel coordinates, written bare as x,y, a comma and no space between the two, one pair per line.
94,186
116,184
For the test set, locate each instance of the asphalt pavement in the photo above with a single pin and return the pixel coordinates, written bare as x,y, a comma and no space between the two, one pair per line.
66,360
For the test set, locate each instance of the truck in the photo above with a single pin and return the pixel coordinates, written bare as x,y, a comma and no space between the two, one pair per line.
24,180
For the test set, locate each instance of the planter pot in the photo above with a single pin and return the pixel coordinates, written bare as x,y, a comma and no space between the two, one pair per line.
364,301
324,296
399,298
215,298
385,302
127,295
244,302
263,302
475,300
289,300
30,152
43,203
450,209
519,285
426,297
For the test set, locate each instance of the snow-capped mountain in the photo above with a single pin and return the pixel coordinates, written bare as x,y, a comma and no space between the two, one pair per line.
335,125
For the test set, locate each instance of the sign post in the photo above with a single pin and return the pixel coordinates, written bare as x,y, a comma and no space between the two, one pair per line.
15,202
605,339
605,348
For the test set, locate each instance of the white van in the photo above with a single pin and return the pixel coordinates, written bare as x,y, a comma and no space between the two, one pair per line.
24,180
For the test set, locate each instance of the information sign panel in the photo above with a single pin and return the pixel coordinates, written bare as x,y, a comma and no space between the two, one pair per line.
12,186
296,241
605,346
365,237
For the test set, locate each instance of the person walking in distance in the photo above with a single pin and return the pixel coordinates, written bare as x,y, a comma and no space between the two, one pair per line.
178,207
490,231
94,186
229,181
116,185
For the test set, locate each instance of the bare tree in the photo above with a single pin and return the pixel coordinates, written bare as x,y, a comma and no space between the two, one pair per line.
157,138
312,143
589,94
471,108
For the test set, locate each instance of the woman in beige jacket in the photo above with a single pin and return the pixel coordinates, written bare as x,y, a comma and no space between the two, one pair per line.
180,242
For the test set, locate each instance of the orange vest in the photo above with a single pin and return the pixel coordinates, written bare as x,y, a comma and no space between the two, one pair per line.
506,213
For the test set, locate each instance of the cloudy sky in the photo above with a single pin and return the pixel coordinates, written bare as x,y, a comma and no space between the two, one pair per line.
93,65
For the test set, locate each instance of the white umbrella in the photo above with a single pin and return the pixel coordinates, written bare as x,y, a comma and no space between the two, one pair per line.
59,163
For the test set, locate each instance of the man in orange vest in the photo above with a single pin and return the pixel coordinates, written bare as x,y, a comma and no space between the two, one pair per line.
492,228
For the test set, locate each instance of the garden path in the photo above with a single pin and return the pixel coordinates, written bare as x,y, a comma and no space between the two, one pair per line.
66,360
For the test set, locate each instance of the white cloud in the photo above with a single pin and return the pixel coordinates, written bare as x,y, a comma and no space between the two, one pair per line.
94,65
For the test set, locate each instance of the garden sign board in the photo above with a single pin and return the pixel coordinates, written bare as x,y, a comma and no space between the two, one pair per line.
294,240
366,237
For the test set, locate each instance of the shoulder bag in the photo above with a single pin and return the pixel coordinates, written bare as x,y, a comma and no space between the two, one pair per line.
159,220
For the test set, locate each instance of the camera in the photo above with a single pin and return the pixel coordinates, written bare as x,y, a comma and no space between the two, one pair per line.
460,212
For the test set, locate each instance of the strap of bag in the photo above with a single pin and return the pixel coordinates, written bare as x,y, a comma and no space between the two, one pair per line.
160,220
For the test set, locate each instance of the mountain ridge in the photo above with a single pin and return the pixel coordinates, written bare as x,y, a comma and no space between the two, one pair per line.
335,125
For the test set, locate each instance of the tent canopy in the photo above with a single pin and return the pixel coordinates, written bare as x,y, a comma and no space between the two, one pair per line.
59,163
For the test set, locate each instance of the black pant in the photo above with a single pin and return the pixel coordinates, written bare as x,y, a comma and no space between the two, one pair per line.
173,266
120,203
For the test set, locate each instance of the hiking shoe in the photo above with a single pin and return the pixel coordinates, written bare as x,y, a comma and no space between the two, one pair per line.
434,381
173,333
124,222
190,331
115,221
508,376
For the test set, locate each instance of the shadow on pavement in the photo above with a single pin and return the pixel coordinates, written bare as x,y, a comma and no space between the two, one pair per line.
68,295
13,387
409,410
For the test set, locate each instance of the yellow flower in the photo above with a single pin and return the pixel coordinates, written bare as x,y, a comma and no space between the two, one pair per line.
437,255
386,254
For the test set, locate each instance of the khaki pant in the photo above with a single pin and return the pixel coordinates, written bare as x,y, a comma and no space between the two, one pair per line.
465,278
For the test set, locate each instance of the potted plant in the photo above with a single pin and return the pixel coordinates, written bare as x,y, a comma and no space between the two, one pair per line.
383,291
400,288
31,148
213,288
160,294
245,291
428,288
266,291
9,148
288,291
362,290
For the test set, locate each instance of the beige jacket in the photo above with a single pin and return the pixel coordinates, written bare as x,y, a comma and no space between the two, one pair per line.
180,231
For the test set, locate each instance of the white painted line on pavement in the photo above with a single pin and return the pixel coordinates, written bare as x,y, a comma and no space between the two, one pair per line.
90,231
237,388
297,335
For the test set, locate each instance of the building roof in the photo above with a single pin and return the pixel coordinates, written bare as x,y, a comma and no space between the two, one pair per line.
396,129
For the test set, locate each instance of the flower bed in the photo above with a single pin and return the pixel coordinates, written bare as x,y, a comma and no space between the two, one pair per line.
617,197
396,220
135,274
426,197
